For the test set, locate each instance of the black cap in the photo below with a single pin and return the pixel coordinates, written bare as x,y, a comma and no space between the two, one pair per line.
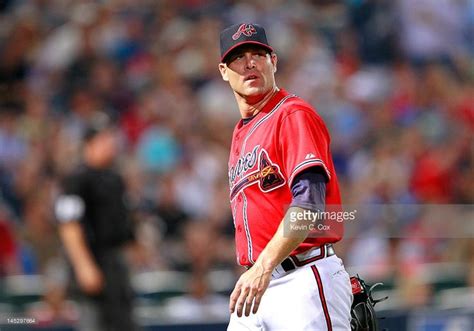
241,34
99,122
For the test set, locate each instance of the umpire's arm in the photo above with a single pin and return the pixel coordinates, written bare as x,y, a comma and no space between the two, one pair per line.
69,209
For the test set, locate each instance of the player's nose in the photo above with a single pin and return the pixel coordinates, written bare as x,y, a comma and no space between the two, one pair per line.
249,60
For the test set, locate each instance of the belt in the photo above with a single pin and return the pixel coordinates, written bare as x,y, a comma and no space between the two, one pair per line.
295,261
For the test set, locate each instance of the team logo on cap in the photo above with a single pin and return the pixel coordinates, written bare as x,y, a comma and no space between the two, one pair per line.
244,29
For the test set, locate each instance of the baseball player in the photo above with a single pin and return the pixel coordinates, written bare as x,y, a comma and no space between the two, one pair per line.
280,168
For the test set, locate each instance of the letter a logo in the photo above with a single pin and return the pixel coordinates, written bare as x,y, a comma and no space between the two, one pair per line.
244,29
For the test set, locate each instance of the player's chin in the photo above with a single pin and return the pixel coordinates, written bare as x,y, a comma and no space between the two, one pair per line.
253,91
253,84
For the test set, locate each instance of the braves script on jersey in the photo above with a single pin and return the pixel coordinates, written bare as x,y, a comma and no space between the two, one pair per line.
285,138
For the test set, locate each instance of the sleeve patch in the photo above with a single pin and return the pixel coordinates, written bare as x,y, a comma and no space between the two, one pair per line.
69,208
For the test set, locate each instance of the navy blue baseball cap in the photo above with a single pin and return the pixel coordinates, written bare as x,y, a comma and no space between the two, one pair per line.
241,34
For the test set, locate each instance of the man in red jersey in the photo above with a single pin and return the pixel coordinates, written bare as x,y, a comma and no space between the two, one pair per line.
281,174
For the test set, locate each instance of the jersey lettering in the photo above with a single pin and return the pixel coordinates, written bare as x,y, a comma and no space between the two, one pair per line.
244,163
267,175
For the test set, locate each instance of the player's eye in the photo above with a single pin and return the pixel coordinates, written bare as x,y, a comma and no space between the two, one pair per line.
235,57
260,53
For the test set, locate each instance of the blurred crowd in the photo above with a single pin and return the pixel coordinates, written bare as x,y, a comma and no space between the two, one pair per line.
394,81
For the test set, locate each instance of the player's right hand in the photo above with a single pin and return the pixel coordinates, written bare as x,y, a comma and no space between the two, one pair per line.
249,290
90,279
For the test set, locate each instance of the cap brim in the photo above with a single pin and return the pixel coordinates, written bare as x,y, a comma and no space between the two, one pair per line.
246,42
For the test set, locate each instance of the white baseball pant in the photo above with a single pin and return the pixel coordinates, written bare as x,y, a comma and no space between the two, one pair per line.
316,296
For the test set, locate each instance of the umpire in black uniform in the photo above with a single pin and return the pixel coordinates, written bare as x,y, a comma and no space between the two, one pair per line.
94,225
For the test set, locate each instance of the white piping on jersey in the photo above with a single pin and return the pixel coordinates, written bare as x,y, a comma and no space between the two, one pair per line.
263,120
309,162
247,230
235,227
233,216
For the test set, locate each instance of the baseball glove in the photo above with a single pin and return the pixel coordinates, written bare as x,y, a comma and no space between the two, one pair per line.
363,317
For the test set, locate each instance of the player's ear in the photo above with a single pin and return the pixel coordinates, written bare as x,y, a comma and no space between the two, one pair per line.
223,71
274,59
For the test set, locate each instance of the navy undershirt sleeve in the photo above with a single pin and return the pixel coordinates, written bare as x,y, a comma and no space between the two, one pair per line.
309,189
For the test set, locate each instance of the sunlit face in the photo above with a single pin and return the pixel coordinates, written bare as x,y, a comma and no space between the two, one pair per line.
250,71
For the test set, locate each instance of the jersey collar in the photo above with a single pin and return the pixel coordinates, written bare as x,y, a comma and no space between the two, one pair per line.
267,108
274,101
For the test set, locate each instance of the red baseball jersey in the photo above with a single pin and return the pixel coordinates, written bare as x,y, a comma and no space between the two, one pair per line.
286,137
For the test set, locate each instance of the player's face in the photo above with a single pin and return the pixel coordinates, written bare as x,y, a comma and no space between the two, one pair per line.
250,71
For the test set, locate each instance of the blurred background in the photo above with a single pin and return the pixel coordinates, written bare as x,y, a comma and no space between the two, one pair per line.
393,79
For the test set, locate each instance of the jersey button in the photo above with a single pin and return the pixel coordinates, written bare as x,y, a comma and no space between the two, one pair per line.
239,228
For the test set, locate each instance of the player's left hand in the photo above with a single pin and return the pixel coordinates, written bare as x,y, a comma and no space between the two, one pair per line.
249,289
